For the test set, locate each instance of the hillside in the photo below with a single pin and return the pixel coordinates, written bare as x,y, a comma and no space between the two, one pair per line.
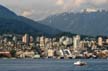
11,23
92,23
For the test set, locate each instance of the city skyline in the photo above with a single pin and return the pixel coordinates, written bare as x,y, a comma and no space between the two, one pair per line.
53,35
38,9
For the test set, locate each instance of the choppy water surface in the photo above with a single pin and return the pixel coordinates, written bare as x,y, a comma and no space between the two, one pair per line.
52,65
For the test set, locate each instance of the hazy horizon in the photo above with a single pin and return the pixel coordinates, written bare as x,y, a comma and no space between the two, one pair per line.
38,9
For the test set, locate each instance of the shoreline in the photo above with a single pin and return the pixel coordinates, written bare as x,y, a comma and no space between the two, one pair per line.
56,58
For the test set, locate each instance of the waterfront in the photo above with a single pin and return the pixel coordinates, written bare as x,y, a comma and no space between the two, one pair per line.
52,65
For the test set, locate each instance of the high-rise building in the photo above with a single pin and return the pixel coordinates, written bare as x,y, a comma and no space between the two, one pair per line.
107,41
15,39
26,39
100,41
42,42
76,42
31,39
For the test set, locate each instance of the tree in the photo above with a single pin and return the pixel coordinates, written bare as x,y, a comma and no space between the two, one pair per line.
13,53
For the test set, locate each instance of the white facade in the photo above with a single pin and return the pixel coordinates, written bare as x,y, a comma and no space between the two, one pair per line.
76,42
100,41
25,38
50,53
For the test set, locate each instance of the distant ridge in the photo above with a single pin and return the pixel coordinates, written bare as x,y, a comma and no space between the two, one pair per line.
87,23
11,23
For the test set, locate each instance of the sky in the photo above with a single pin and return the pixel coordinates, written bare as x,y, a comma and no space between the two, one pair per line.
40,9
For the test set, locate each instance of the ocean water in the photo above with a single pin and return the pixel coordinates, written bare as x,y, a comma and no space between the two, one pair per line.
52,65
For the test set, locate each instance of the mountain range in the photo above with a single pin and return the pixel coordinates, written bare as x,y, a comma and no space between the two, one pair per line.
85,23
12,23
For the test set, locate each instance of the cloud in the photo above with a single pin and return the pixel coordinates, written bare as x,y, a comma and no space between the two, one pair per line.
26,13
59,2
24,7
71,4
80,4
99,2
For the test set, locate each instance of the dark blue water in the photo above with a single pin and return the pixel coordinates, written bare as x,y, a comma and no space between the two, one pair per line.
52,65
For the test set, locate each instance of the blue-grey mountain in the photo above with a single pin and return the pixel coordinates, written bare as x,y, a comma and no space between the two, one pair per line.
12,23
87,23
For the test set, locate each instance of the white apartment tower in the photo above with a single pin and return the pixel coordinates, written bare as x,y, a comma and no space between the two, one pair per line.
76,42
25,39
100,41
